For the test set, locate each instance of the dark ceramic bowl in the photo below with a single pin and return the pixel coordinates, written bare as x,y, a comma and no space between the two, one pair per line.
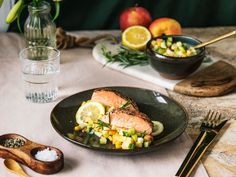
173,67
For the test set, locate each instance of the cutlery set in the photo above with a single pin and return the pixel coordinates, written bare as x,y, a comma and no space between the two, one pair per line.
210,127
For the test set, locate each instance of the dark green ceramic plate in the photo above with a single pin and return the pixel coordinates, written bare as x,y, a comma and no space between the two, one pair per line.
156,106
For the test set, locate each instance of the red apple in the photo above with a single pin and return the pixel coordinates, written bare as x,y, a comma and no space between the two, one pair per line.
167,26
134,16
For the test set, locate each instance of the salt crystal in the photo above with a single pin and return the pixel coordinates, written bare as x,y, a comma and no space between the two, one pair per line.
46,155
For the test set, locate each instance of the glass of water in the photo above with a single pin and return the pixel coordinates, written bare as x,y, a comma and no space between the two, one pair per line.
40,67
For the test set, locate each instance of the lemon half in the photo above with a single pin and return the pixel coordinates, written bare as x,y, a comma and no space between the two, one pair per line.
136,37
89,111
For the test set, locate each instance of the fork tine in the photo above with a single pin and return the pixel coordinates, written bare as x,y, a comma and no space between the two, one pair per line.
208,117
217,120
212,119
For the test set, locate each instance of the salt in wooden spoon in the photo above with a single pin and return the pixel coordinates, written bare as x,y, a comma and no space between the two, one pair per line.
15,167
215,40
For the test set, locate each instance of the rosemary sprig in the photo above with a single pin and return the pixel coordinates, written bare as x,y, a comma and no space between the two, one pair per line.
102,124
125,105
126,57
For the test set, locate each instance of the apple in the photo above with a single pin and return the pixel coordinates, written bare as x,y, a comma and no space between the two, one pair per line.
135,16
167,26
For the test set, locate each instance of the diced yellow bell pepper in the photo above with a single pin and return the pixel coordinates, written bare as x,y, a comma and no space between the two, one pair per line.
118,145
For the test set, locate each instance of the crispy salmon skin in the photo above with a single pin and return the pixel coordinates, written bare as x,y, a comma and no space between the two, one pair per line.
129,119
112,98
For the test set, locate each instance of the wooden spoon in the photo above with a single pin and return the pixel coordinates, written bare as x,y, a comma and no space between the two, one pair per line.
15,167
215,40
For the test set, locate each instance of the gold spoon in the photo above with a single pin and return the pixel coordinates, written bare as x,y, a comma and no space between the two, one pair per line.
15,167
215,40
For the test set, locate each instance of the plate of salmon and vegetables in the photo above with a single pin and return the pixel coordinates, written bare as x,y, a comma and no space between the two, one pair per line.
120,120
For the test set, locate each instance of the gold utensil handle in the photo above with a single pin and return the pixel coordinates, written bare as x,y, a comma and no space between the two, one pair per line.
215,40
196,152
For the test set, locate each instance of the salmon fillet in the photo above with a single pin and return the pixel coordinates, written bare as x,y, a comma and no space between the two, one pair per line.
129,119
111,98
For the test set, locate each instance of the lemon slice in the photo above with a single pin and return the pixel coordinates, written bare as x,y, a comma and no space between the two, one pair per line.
157,128
136,37
89,111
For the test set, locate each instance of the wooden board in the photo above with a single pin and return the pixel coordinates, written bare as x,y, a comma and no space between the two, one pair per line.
215,80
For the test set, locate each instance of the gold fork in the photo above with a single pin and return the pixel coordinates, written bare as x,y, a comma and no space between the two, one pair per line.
210,127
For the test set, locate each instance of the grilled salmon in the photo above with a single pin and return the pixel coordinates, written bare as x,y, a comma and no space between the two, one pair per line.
115,99
129,119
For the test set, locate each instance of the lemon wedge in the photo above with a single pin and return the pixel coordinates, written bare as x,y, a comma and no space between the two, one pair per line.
89,111
157,128
136,37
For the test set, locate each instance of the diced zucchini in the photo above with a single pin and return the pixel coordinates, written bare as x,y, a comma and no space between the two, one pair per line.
146,144
173,47
182,49
105,134
140,140
132,131
170,39
131,146
99,134
126,134
161,51
168,44
178,44
163,45
135,137
103,140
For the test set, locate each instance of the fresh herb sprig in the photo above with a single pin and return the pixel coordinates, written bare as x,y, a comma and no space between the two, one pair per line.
126,57
103,124
125,105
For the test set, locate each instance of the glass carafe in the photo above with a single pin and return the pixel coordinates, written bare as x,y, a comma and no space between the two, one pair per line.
39,29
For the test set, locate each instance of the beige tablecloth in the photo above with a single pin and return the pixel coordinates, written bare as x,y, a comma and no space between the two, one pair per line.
78,72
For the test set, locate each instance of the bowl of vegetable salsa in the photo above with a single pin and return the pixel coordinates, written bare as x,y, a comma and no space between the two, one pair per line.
173,56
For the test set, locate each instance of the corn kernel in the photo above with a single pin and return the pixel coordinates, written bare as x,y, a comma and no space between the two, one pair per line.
77,128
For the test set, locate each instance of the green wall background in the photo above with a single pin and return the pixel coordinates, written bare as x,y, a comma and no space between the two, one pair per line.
104,14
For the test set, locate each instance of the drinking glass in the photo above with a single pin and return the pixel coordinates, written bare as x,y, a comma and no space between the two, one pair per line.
40,67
